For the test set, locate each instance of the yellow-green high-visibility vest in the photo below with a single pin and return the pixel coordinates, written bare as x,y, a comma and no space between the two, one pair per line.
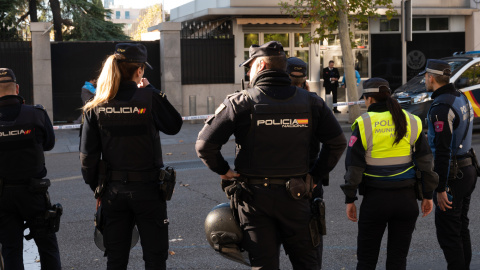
377,132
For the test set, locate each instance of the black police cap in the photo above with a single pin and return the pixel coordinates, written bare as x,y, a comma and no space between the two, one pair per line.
438,67
272,48
133,52
295,64
7,73
375,85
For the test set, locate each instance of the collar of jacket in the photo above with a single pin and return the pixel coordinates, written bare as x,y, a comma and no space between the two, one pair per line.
446,89
378,107
11,100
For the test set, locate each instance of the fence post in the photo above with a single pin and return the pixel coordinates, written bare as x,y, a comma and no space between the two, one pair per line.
329,101
192,107
210,105
42,66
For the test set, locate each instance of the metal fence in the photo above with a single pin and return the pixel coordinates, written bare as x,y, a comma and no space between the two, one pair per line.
208,52
73,63
17,56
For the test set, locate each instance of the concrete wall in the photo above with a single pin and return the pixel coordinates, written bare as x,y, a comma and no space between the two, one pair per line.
42,66
472,32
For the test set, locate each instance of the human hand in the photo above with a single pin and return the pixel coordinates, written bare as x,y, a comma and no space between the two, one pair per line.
143,83
443,202
352,212
229,175
427,206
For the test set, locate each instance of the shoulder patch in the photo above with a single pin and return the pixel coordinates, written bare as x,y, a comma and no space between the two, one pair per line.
160,93
352,141
438,126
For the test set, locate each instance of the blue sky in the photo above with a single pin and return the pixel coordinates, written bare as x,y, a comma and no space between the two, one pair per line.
169,4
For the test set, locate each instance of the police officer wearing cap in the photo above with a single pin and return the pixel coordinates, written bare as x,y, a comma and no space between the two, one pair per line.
273,123
450,137
385,147
120,143
297,70
25,133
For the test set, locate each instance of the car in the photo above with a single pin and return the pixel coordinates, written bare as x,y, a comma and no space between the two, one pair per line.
465,66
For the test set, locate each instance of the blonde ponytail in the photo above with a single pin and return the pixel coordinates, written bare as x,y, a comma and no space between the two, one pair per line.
107,84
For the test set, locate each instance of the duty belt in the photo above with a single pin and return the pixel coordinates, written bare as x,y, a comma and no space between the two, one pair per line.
126,176
463,162
267,181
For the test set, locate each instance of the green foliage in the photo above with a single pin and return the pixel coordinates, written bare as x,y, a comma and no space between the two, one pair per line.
151,17
89,22
325,13
8,31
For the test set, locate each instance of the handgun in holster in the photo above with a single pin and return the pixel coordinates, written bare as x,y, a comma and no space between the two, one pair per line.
418,185
52,217
317,225
103,177
167,182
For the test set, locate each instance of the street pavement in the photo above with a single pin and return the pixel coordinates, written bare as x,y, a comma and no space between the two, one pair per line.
198,191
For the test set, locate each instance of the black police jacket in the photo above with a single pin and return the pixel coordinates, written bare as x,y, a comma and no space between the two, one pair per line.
124,131
25,132
233,116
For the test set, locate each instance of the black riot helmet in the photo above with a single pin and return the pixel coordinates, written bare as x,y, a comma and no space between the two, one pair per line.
224,233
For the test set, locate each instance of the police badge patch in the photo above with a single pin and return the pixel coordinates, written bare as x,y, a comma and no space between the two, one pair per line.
438,126
352,141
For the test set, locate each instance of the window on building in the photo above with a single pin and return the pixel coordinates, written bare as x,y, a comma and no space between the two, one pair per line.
419,24
127,14
392,25
438,24
117,15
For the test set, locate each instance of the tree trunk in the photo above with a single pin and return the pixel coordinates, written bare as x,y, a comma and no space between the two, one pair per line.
32,10
348,63
57,19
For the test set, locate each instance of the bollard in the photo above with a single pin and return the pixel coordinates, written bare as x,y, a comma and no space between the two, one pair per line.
192,107
210,105
329,101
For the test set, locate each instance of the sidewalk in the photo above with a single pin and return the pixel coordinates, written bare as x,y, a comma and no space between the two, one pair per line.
67,141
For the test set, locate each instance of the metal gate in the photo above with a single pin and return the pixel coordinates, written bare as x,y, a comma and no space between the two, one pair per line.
17,56
74,62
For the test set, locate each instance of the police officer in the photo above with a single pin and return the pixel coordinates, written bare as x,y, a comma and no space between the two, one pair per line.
450,137
273,123
297,70
385,147
120,141
25,132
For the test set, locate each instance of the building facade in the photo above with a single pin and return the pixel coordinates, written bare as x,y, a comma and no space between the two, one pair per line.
440,28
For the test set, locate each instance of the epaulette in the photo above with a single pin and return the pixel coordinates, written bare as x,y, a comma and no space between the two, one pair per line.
160,93
39,106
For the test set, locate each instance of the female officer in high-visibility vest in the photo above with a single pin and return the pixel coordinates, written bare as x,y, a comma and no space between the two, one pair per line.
386,149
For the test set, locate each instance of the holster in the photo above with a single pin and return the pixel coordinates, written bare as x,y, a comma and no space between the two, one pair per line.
475,161
317,223
167,182
39,186
46,224
418,185
52,217
103,177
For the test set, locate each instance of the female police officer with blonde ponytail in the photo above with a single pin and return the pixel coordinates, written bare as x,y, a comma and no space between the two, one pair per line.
385,147
120,139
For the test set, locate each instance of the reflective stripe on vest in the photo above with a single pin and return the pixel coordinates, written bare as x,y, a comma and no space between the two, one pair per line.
378,135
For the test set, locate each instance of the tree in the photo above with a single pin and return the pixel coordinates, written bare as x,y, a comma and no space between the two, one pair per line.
334,15
8,31
72,19
151,17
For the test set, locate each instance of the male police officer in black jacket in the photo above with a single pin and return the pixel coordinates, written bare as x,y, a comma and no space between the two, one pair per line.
450,122
273,123
25,132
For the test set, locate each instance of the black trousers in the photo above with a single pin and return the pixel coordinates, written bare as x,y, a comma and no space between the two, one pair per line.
18,205
127,205
272,218
397,209
452,225
331,89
